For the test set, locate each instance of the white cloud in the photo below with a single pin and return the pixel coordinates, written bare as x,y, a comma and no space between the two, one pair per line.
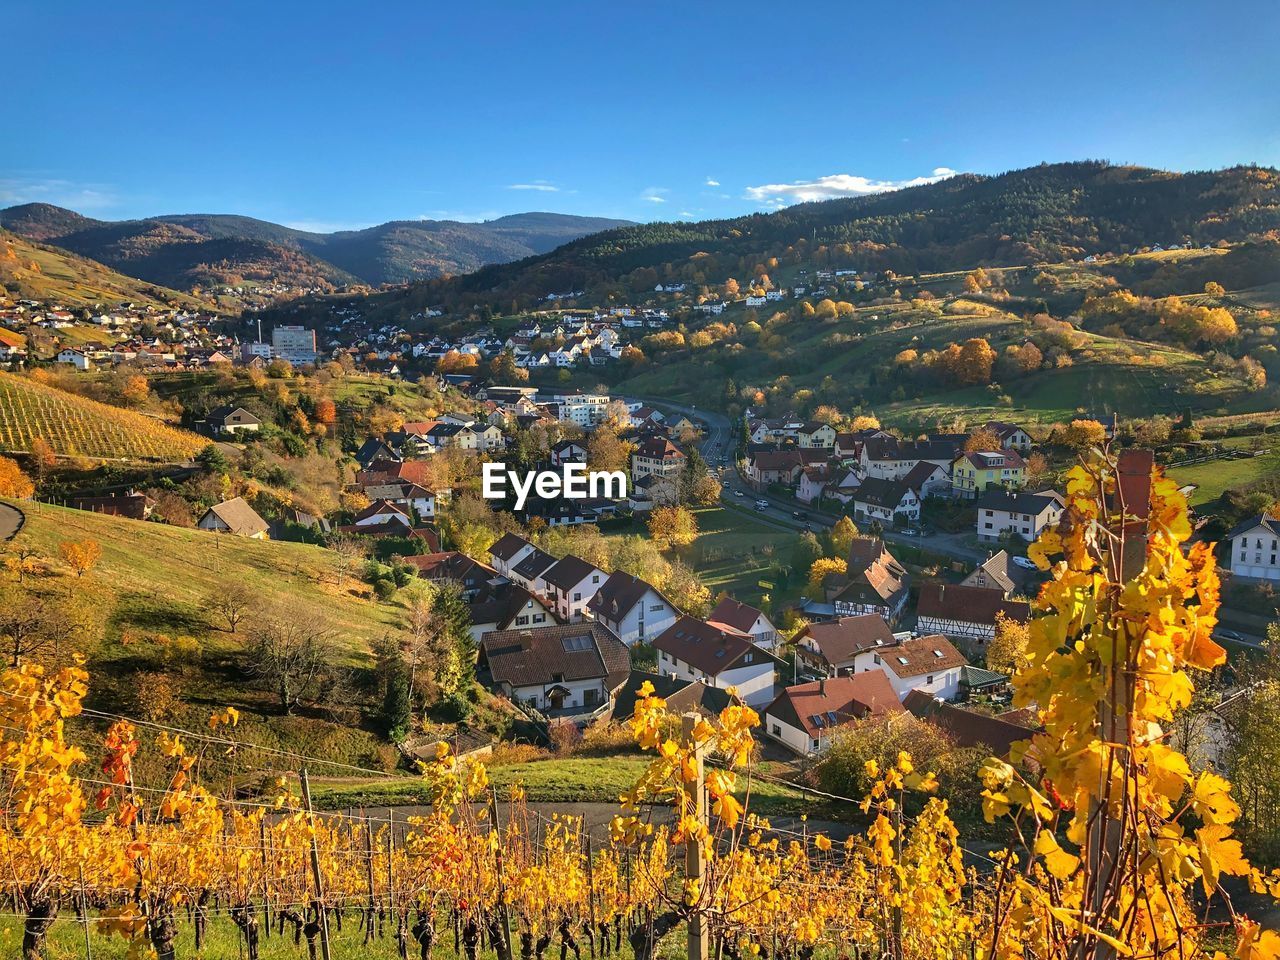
654,194
63,193
542,186
686,214
835,185
712,183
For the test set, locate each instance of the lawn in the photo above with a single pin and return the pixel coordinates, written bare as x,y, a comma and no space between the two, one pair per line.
1215,478
556,780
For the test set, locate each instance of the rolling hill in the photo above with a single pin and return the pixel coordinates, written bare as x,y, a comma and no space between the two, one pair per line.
33,270
156,621
77,426
199,250
1044,214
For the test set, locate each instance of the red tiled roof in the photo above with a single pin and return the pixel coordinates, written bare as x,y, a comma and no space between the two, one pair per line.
952,601
918,656
839,641
836,700
732,613
705,647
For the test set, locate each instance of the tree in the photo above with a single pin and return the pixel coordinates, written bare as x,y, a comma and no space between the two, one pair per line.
13,482
822,568
41,458
842,536
1037,466
864,422
503,369
1007,651
686,591
673,527
292,657
982,440
135,390
80,555
607,451
230,603
1083,434
807,549
1214,289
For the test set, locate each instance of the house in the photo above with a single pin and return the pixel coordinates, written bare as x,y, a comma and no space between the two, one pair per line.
1255,548
1004,513
967,728
874,582
927,479
832,648
230,420
965,612
493,601
529,571
382,512
635,611
234,516
681,696
745,619
376,451
972,473
557,668
766,467
656,456
508,551
1012,436
815,434
569,584
568,451
891,502
77,358
134,506
805,717
929,663
994,573
691,649
886,457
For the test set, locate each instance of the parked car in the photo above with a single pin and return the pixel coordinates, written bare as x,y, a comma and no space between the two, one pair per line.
762,505
1026,563
738,493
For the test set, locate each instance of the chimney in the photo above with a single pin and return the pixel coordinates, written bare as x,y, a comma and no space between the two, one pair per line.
822,687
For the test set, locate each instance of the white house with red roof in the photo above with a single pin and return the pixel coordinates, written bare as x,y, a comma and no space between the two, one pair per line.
719,656
805,717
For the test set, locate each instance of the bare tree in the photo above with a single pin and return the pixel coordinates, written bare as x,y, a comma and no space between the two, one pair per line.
292,657
350,551
29,624
230,604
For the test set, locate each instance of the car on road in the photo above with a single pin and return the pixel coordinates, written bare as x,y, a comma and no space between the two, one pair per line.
799,514
738,493
762,505
1231,635
1026,563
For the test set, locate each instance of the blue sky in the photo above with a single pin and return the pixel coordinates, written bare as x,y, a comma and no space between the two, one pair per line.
338,115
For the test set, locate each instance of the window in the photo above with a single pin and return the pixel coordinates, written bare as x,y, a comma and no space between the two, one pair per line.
522,621
577,597
929,679
539,618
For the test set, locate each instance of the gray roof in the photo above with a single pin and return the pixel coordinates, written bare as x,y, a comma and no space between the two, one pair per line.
1267,523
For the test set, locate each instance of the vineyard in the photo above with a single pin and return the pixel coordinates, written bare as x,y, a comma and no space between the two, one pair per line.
76,426
112,844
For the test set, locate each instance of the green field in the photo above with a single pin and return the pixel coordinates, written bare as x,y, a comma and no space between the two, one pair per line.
1213,479
557,780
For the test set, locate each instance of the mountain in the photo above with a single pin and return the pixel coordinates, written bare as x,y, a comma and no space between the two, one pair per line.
199,250
36,271
1048,213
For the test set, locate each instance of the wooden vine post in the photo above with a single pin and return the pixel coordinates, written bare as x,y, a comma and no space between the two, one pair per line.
322,915
695,802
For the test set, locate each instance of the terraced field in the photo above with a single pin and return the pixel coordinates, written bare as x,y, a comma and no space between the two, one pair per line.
76,426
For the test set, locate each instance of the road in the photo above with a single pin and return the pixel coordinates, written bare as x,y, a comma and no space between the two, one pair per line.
717,449
11,521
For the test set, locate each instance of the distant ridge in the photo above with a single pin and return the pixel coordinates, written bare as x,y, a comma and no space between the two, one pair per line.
184,251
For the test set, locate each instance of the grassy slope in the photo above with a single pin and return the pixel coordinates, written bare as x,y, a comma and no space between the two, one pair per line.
1213,479
78,426
150,584
71,281
1162,378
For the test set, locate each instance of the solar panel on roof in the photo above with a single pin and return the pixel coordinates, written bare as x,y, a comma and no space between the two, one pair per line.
817,719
